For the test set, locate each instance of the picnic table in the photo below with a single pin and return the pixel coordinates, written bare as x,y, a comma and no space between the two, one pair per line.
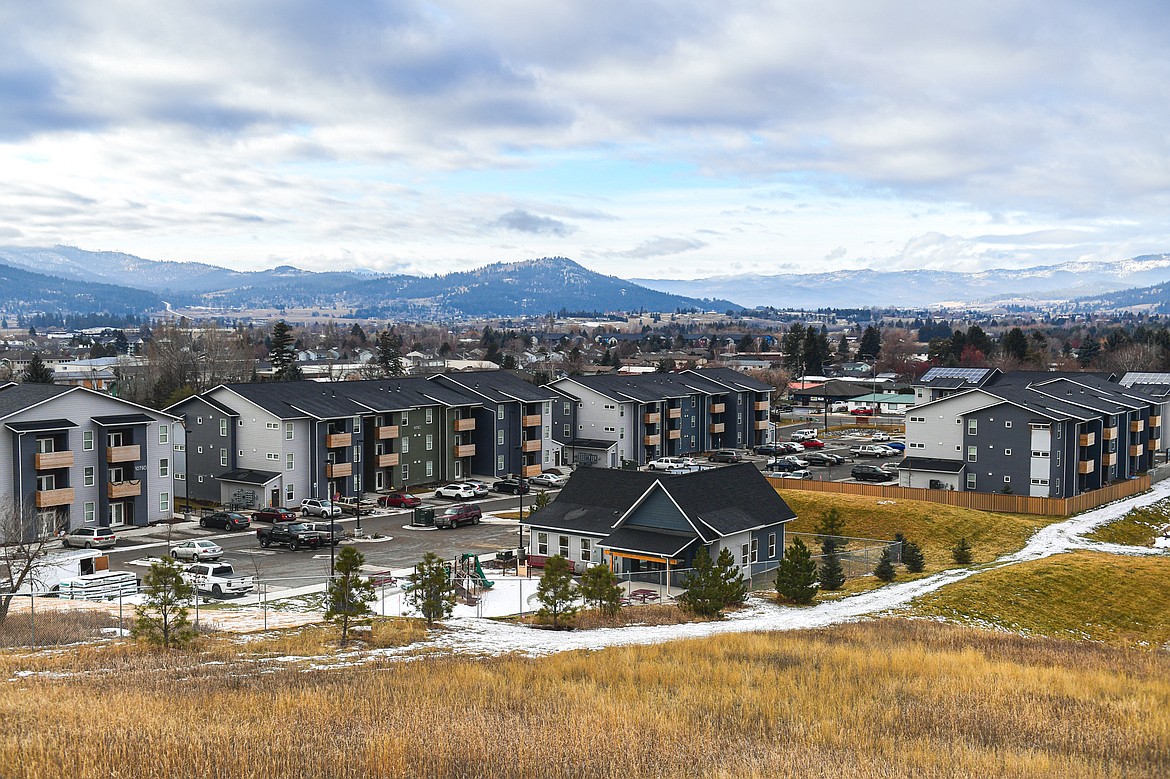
642,596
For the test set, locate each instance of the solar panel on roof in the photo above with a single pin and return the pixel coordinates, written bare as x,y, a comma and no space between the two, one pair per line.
968,374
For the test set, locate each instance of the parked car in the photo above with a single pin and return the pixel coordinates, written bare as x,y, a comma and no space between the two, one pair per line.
463,514
799,461
897,446
887,450
867,472
90,538
781,465
824,458
668,463
784,408
797,474
227,520
871,450
863,412
804,435
294,535
548,480
219,579
197,550
481,489
318,507
510,485
790,447
274,514
879,436
457,491
399,500
838,408
766,449
725,456
813,443
336,531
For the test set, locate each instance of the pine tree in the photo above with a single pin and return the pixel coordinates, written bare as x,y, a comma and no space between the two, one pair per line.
885,567
162,618
556,590
831,531
542,500
37,372
831,574
871,344
282,353
912,557
601,589
349,593
390,353
961,552
431,590
796,577
733,589
712,586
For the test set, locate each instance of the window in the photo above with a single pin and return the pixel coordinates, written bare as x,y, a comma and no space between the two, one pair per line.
164,501
622,434
1038,453
87,476
180,447
180,476
164,434
223,427
548,408
1058,429
288,431
405,419
1007,423
357,424
200,479
755,550
357,453
970,481
771,545
240,422
430,468
692,441
405,471
568,408
288,461
744,554
90,511
500,464
199,449
972,427
568,432
547,453
542,543
223,461
1040,482
547,432
972,454
1007,452
917,419
239,452
499,437
289,492
739,418
914,445
1007,479
586,550
622,411
405,445
563,546
430,444
270,425
164,467
199,420
430,415
499,412
272,456
87,440
357,483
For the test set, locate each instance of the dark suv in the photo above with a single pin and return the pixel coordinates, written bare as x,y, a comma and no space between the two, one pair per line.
228,520
463,514
510,485
725,456
865,472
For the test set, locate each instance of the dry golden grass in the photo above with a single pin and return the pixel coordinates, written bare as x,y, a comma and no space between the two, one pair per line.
1137,528
1102,597
649,614
54,626
884,699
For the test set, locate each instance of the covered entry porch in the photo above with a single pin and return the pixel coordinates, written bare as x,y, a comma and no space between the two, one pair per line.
650,565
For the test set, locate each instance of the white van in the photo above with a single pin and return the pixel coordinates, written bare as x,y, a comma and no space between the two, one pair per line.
804,435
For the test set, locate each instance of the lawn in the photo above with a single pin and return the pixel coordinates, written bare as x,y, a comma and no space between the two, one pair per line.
1084,595
1137,528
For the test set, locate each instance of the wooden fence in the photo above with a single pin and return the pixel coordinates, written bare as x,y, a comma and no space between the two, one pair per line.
981,501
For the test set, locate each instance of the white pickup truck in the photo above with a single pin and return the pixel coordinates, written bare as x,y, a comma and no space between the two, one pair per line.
219,579
871,450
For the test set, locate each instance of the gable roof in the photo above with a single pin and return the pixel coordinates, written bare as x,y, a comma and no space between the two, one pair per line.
497,386
334,399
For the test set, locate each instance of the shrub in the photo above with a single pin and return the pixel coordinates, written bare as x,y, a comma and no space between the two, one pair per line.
885,567
961,552
796,577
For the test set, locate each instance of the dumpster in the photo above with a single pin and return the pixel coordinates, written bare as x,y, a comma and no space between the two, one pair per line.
424,516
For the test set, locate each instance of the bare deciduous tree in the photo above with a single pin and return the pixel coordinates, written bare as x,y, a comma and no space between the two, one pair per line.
23,538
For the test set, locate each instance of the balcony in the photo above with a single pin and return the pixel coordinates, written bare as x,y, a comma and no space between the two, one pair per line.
465,425
1109,458
387,460
717,427
1154,444
1135,450
338,440
1137,426
49,498
528,471
531,445
116,490
760,425
674,413
1088,439
338,470
1086,466
652,418
123,454
760,405
464,450
674,435
46,461
1155,420
530,420
386,432
1109,433
651,440
718,408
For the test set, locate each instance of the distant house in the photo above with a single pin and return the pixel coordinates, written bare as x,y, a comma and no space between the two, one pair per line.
651,523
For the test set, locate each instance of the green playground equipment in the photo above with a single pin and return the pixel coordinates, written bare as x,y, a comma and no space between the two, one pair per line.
470,564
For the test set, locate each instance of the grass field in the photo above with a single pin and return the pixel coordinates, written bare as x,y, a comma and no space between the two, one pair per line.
1137,528
880,699
1083,595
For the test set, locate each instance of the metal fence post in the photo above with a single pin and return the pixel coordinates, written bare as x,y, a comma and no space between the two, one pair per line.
32,619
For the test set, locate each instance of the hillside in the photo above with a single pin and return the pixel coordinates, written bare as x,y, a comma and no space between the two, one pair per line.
24,291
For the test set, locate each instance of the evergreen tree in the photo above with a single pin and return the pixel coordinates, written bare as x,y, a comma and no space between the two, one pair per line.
282,352
601,589
162,618
961,552
871,344
37,372
796,577
349,593
843,352
713,586
792,347
831,531
1015,344
831,575
912,557
556,590
390,353
542,500
431,590
885,567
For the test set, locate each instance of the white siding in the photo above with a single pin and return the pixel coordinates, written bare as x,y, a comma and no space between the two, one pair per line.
939,433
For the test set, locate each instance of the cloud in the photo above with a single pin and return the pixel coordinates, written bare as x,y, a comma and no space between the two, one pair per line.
525,222
661,247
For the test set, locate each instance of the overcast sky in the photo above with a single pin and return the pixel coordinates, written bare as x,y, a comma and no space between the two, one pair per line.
658,139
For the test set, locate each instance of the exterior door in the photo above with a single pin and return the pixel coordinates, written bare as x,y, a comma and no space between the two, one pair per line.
117,514
459,468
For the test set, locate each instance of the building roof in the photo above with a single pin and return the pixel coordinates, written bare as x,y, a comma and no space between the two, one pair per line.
629,539
931,464
249,476
335,399
15,398
114,420
591,443
40,424
888,397
498,386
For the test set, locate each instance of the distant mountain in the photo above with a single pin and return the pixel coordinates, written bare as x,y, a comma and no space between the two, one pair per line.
1149,300
25,292
860,288
500,289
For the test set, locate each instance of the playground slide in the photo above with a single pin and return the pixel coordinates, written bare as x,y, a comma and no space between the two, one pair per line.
480,577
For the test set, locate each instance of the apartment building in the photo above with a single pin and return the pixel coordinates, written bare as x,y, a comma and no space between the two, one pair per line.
1036,433
70,457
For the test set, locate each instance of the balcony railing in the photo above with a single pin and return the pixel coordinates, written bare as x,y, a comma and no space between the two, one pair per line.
116,490
760,405
528,471
1088,439
674,413
652,418
717,427
388,460
48,498
1086,466
338,440
123,454
338,470
531,445
530,420
386,432
46,461
651,440
1137,426
464,450
465,425
1109,433
1109,458
1135,450
718,408
1154,444
760,425
1155,420
674,435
